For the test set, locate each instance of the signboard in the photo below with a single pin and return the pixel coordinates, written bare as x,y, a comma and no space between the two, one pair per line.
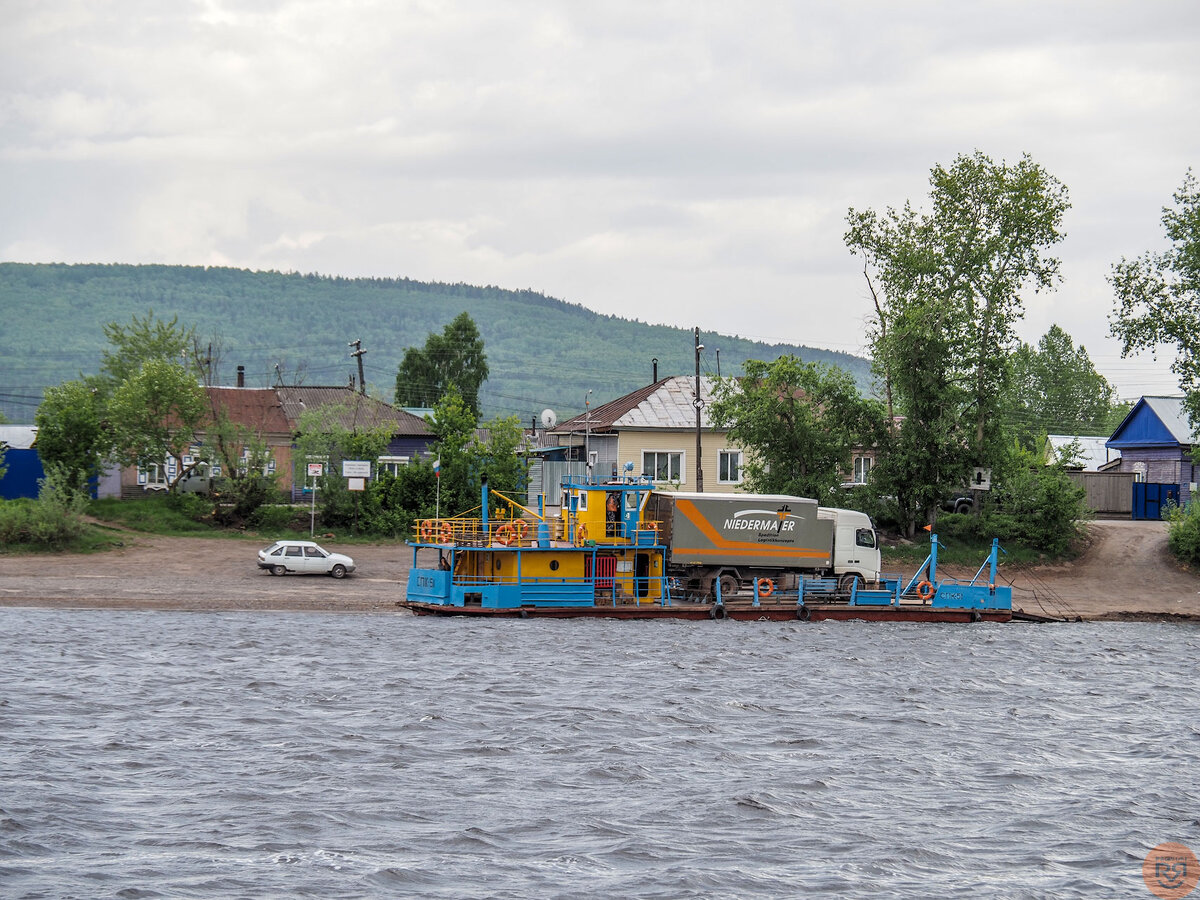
982,480
356,468
315,470
356,484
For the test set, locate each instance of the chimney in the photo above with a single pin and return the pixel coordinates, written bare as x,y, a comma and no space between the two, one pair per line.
654,380
241,376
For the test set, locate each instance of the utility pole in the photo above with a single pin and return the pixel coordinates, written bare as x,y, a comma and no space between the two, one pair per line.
699,404
358,353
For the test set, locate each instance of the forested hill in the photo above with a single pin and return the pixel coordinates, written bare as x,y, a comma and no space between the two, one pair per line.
542,352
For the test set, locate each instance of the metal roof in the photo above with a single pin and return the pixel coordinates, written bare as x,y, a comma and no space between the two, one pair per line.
1155,422
667,403
354,410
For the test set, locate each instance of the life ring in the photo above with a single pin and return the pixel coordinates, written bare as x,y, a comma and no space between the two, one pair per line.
428,530
924,590
447,533
520,528
581,535
504,534
766,587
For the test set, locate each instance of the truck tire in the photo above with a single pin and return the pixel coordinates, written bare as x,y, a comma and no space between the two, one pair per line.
848,581
729,585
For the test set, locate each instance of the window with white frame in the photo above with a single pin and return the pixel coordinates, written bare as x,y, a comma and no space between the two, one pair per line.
862,468
152,476
663,465
393,464
729,466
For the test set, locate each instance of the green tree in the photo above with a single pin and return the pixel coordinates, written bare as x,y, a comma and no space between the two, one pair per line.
325,440
1158,296
1055,389
455,357
453,426
156,414
799,423
72,441
132,345
947,291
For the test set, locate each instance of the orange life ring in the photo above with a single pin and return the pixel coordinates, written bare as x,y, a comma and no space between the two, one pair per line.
447,533
581,535
766,587
504,534
428,530
520,528
924,590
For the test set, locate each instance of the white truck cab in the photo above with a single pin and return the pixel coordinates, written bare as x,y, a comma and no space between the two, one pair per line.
855,544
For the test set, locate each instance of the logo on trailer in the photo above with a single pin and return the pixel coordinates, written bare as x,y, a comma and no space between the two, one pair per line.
779,520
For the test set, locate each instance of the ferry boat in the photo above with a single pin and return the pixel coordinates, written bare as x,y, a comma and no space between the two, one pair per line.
598,556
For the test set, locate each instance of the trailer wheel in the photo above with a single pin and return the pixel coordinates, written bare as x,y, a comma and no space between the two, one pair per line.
729,585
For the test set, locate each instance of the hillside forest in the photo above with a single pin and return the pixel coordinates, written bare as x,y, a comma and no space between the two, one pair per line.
297,329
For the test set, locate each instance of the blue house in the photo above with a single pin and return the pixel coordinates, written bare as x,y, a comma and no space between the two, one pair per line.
1156,442
22,461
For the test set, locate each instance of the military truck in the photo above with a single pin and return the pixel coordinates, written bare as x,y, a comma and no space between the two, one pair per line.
735,540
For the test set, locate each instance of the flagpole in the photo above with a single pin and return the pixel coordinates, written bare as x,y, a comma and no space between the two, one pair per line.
437,473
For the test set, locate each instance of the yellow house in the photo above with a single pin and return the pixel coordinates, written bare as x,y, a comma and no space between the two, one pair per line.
652,431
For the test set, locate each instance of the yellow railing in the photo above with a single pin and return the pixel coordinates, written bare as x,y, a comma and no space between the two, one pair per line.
518,532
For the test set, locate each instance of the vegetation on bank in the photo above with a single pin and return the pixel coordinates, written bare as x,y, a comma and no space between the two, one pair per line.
959,396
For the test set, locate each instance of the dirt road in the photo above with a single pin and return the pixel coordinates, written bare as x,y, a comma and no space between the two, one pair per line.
1126,573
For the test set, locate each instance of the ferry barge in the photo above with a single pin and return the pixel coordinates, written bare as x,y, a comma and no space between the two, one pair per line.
600,556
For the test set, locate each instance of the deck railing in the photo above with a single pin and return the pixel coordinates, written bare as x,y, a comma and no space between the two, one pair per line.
529,533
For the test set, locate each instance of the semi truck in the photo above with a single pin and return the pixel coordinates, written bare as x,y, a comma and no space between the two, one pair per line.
733,540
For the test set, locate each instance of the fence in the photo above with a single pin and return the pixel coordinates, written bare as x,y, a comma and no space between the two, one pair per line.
1108,493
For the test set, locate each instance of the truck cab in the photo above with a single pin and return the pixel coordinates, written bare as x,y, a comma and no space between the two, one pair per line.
855,545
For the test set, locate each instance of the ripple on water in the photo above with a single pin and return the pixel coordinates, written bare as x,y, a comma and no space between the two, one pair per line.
214,755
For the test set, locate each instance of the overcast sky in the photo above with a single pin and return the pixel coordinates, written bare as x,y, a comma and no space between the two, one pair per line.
686,163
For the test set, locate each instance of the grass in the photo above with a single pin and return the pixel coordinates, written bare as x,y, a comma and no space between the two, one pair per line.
909,555
153,515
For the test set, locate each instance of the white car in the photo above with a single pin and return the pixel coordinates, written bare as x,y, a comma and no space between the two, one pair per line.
303,558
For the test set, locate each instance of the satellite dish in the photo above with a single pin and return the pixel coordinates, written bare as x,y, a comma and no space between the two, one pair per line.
549,419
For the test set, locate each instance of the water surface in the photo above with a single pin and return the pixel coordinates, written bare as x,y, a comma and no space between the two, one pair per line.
154,754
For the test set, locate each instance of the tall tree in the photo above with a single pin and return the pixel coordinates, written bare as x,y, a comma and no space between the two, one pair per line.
156,414
73,440
142,339
799,423
455,357
1055,389
1158,296
947,289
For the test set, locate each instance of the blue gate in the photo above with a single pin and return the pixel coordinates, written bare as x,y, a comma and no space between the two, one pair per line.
1149,499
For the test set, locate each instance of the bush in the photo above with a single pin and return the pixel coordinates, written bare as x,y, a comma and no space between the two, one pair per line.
272,518
51,522
194,506
1183,532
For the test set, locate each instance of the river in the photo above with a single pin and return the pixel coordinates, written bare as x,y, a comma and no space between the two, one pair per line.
216,755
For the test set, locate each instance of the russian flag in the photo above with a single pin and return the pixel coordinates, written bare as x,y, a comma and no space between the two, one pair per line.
437,467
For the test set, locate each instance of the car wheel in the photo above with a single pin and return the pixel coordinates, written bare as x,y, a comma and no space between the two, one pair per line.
278,570
963,507
338,571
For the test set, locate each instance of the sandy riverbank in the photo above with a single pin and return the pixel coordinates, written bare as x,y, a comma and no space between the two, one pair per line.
1126,574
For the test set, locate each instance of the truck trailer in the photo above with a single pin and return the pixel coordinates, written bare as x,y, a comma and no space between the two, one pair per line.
733,540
